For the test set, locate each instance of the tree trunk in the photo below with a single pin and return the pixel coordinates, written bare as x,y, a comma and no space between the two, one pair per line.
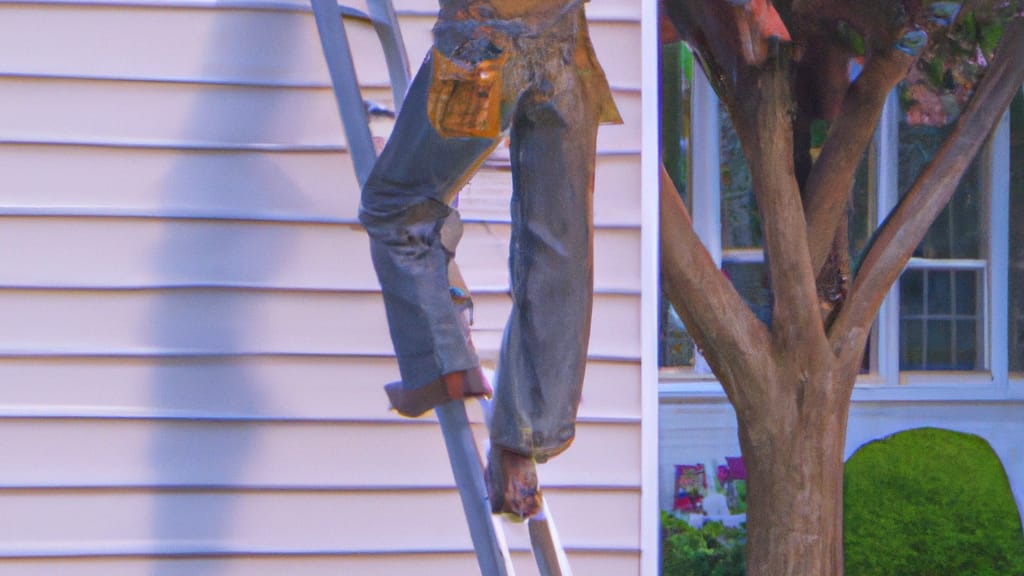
793,451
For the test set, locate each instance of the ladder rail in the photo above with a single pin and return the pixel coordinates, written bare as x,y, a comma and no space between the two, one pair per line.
349,99
385,22
544,540
547,546
488,539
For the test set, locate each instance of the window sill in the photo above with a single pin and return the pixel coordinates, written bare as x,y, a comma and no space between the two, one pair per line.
914,387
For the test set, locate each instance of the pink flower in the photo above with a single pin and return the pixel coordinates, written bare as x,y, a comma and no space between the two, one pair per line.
723,474
737,470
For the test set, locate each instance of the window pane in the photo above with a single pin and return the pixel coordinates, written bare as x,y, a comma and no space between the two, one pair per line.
741,223
676,76
862,206
941,303
939,292
912,345
966,353
938,345
1016,316
675,348
751,281
966,292
912,293
958,230
940,320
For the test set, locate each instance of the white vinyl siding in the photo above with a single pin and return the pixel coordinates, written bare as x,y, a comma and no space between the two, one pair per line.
193,347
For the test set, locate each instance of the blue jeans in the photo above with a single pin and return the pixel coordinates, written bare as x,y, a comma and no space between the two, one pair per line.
552,120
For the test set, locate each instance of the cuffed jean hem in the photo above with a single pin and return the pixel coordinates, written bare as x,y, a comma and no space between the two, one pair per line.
540,446
419,370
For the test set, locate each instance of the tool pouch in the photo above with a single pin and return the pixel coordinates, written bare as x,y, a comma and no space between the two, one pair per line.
465,96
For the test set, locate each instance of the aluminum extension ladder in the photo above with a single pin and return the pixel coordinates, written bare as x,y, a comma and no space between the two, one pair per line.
485,529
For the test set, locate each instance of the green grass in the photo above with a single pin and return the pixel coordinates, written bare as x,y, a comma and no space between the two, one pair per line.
930,502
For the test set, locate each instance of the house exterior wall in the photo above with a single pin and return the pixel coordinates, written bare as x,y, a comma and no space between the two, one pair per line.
193,346
701,428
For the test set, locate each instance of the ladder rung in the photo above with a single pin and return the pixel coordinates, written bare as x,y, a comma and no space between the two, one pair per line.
349,12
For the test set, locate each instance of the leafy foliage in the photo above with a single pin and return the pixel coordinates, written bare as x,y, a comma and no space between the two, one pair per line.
963,40
926,502
713,550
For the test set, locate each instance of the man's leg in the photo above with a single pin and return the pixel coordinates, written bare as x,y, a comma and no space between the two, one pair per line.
543,356
404,204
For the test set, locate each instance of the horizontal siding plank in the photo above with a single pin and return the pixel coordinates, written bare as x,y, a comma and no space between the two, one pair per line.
250,387
267,5
623,10
84,252
54,252
125,113
235,45
45,522
293,455
440,564
178,183
250,185
618,49
616,193
224,321
170,43
625,137
191,321
117,112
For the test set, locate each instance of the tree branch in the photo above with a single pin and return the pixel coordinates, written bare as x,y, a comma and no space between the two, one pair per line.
879,22
765,128
732,339
829,185
894,243
726,36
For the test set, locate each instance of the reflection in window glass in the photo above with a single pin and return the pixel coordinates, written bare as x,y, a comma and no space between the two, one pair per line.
939,328
741,223
751,281
941,320
957,232
675,348
1016,316
863,206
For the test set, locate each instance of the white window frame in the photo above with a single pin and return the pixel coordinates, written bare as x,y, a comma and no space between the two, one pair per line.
885,380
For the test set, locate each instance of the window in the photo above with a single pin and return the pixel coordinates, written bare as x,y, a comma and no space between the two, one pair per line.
1016,316
944,314
942,322
675,348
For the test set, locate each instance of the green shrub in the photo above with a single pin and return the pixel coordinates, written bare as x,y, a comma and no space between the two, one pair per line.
713,550
930,502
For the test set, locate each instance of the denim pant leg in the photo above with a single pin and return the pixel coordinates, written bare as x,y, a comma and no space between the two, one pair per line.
404,203
543,356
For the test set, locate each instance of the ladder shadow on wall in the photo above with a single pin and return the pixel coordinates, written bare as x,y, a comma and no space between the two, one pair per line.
208,328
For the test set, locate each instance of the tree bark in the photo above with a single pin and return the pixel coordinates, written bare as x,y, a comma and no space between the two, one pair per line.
794,460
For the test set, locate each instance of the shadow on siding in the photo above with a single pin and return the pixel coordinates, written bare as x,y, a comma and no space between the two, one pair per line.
196,454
